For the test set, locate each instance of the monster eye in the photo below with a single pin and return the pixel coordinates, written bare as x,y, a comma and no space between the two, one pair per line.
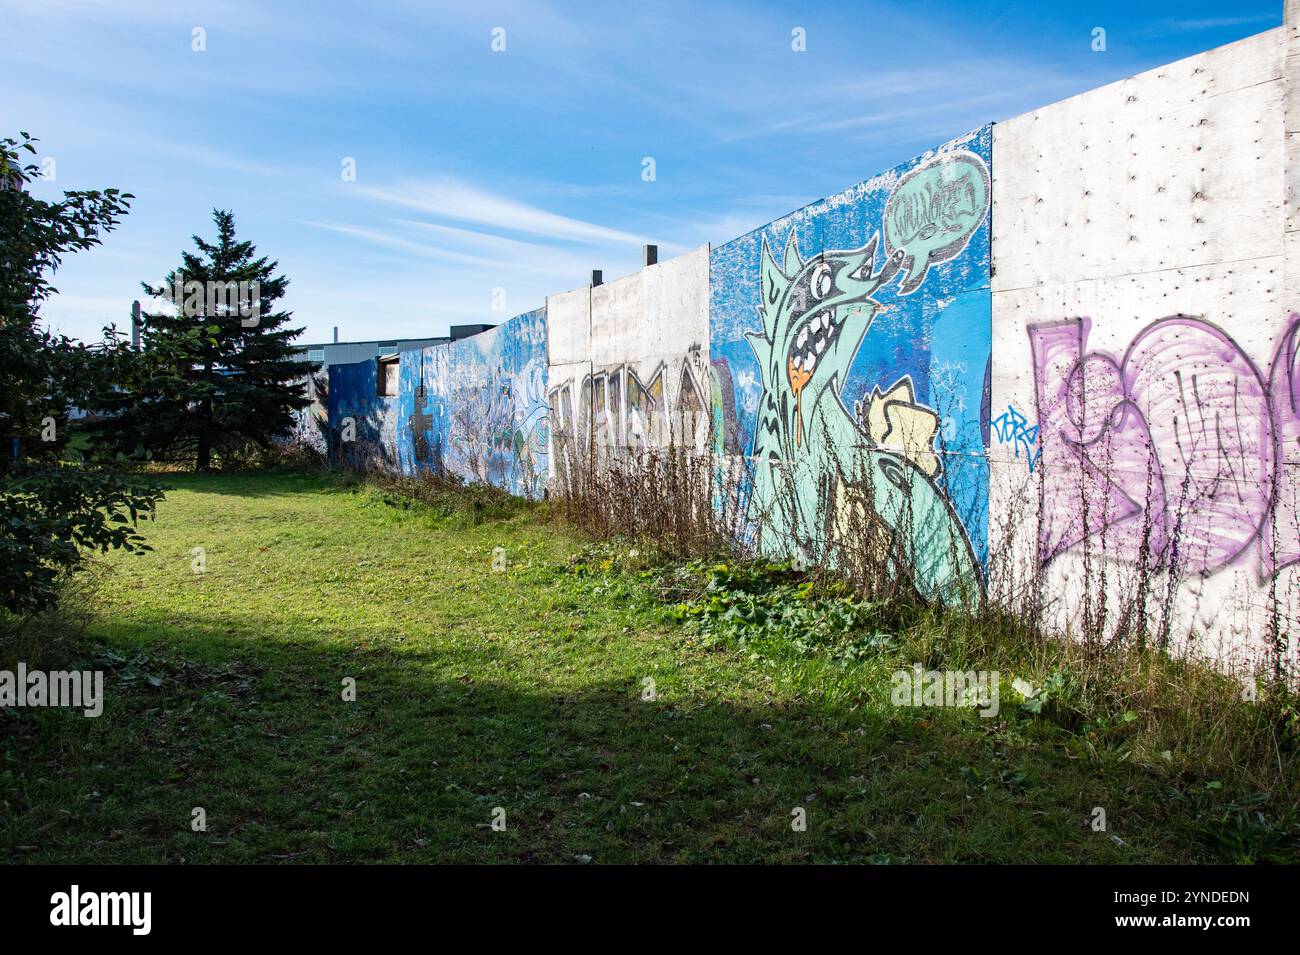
821,281
893,473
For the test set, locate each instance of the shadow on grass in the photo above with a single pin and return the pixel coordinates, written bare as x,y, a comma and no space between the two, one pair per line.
248,484
254,733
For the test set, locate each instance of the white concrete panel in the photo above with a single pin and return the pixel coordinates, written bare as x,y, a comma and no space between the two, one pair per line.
659,312
1174,167
567,417
1162,195
1292,197
1244,297
616,317
649,356
1292,293
676,305
568,326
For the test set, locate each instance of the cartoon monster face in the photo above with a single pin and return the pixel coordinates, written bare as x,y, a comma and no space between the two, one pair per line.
818,326
814,316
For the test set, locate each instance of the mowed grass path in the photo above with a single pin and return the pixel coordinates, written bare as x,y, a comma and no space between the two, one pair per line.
476,690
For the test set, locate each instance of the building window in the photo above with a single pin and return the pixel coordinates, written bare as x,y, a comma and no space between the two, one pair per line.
316,354
386,378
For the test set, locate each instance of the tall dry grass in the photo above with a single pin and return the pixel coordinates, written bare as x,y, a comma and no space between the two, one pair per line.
683,500
1104,652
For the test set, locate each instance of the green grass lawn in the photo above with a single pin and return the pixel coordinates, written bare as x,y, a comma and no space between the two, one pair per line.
520,690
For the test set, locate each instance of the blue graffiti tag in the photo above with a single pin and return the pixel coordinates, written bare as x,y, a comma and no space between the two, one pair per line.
1014,428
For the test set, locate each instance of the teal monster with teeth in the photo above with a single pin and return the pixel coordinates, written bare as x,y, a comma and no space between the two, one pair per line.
819,472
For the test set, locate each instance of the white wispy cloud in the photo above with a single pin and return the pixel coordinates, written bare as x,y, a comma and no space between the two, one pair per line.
488,252
460,201
531,256
1197,24
217,158
397,242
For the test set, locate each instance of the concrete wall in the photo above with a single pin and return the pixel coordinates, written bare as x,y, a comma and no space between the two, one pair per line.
311,423
476,408
362,424
850,347
1056,357
1145,390
568,329
1292,146
629,364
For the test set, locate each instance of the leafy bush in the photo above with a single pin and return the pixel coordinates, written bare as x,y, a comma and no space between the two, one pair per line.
52,512
766,607
49,521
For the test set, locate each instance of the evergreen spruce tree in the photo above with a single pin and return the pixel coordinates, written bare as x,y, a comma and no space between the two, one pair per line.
218,375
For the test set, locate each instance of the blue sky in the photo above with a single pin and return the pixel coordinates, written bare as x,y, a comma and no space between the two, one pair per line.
518,170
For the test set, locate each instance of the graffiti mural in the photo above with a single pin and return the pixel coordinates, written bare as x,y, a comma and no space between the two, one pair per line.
424,405
1181,448
624,408
362,424
1013,428
530,415
476,408
932,212
846,391
311,423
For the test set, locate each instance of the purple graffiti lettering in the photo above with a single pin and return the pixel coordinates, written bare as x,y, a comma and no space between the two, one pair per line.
1281,539
1183,430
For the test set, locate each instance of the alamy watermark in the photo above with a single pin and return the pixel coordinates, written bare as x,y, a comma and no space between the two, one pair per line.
79,689
194,298
970,688
76,907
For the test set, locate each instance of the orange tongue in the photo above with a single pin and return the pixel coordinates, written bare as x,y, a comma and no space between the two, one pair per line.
798,378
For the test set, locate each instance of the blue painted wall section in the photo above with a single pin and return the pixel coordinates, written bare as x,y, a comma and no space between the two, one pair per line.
850,344
476,408
361,423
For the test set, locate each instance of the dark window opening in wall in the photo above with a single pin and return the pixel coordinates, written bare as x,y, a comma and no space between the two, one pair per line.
387,367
